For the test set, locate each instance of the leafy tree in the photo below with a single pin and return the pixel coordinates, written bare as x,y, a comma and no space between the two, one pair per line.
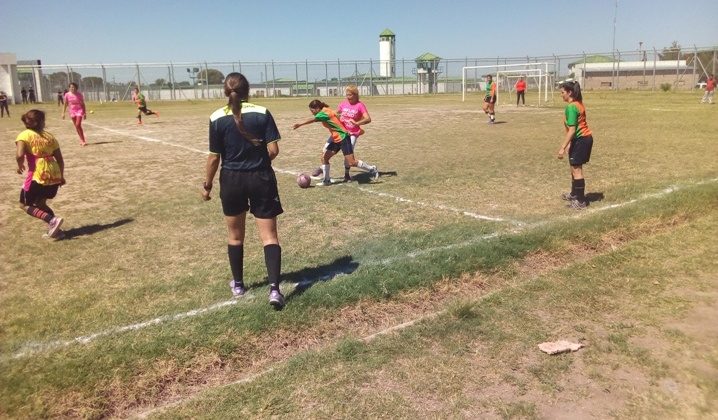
58,80
92,82
160,82
213,77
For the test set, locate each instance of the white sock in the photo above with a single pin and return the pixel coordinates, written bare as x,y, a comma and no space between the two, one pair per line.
363,165
325,170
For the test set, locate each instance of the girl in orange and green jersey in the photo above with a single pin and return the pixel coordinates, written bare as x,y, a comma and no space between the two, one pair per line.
139,99
490,99
578,142
339,140
45,170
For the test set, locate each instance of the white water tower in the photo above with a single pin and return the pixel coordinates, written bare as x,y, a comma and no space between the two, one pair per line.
387,53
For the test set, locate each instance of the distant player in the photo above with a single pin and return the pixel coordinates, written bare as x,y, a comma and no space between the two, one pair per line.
339,138
3,105
710,90
139,99
490,99
520,87
76,102
45,170
578,142
244,138
352,113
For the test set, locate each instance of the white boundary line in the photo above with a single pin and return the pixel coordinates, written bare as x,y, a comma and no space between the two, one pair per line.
294,173
36,347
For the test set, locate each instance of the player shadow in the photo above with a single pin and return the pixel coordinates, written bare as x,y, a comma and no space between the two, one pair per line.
92,229
499,122
366,178
98,143
308,277
594,196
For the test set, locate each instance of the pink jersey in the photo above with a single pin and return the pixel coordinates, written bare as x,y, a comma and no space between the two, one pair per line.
354,112
76,103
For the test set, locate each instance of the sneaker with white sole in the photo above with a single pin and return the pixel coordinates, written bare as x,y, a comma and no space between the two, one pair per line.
325,183
237,290
54,226
374,172
568,196
276,299
576,205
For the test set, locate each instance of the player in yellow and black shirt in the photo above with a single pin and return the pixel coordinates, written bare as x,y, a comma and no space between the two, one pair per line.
578,142
244,138
139,100
490,99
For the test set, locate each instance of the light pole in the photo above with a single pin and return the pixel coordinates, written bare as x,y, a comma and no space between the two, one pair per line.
613,46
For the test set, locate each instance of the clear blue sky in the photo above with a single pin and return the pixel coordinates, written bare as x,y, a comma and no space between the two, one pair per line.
104,31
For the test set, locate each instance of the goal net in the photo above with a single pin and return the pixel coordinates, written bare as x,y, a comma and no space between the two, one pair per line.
538,77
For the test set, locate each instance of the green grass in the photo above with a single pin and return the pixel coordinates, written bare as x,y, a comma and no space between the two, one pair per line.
143,246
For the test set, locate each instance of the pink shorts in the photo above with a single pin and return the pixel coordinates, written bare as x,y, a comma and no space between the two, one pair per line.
77,113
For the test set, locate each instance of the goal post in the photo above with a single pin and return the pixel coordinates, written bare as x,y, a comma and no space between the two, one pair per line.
472,77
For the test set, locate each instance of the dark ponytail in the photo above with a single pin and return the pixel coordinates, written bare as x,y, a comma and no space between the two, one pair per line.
574,89
317,104
236,88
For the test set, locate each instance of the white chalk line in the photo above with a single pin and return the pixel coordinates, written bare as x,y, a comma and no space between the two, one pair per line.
37,347
295,172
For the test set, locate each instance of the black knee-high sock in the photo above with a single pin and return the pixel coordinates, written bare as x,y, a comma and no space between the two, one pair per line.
39,213
273,260
236,263
580,187
48,210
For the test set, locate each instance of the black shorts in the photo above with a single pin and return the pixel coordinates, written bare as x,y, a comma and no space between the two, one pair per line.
144,110
490,99
255,191
580,151
38,192
345,146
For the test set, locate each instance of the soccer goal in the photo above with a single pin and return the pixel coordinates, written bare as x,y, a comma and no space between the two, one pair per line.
536,80
539,78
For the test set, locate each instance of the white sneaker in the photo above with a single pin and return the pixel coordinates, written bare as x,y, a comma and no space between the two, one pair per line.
374,172
54,226
324,183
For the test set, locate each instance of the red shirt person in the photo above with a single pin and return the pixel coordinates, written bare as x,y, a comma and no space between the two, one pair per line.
520,91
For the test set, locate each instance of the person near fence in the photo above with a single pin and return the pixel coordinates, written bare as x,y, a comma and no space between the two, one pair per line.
76,102
520,87
23,94
243,137
60,98
31,96
353,114
3,105
577,142
490,99
340,140
139,100
45,170
710,89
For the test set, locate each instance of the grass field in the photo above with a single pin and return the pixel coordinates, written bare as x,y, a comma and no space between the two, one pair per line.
463,243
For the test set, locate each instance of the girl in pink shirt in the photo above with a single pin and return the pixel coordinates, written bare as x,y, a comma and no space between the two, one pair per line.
76,102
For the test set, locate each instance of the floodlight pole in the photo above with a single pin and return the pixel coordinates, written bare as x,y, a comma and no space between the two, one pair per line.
613,46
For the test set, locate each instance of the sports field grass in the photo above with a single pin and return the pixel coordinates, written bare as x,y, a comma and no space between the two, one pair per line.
132,310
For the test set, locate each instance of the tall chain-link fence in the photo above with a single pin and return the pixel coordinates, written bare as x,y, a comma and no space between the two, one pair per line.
640,69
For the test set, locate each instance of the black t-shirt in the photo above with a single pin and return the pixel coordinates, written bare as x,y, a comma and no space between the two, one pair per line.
237,152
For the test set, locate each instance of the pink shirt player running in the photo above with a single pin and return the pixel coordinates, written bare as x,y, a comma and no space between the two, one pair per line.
76,103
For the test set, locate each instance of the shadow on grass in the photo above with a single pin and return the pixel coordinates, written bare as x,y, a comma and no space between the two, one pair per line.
594,196
98,143
366,178
308,277
91,229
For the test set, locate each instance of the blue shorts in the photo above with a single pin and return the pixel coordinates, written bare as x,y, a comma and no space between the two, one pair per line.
345,146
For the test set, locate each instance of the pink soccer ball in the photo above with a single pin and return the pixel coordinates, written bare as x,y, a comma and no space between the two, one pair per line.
303,180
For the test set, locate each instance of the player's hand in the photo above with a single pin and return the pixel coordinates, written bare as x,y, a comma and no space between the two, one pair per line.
205,195
21,169
62,181
561,152
84,117
63,116
295,126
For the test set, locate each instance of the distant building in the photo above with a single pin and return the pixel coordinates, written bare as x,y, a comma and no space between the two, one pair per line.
601,72
387,54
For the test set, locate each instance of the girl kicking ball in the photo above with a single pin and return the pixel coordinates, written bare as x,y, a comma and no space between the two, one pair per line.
339,140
